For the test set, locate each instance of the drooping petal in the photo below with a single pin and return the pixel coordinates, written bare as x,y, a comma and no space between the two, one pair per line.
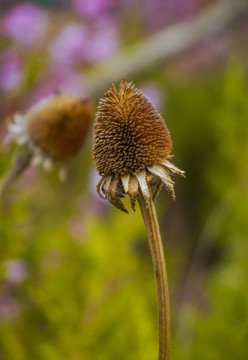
125,182
141,177
48,164
22,140
113,196
37,159
171,167
150,178
157,190
164,176
133,190
99,188
19,119
106,185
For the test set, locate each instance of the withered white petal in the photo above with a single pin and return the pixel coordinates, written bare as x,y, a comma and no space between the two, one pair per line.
113,197
37,159
106,185
125,182
99,188
163,175
48,164
141,176
173,168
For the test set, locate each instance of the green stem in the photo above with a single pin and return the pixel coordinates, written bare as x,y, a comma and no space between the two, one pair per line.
150,219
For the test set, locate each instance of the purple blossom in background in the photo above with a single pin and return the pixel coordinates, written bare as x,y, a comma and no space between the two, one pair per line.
204,54
15,271
153,93
61,79
70,45
92,7
159,12
11,72
26,24
72,83
103,42
8,307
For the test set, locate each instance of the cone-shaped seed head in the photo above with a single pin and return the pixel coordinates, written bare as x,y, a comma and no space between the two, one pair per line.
129,133
59,125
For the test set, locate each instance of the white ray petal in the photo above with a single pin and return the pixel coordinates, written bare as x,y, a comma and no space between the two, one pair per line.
16,129
125,182
173,168
133,190
106,185
22,139
19,119
37,159
164,176
99,188
141,177
48,165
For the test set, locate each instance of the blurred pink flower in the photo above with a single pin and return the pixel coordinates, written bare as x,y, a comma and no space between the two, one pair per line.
11,72
15,271
201,56
153,93
103,42
25,23
70,45
8,307
60,79
92,7
158,12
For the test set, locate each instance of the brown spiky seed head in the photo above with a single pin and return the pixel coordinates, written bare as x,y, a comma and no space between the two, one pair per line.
59,125
129,133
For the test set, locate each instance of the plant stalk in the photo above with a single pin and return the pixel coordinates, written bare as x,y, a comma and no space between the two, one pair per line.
16,169
150,219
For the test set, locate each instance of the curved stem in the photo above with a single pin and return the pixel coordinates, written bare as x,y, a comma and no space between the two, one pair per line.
20,164
150,219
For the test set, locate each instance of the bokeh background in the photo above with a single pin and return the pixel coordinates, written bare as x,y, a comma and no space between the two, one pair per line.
76,278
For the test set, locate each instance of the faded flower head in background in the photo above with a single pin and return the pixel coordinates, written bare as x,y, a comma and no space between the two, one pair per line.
53,130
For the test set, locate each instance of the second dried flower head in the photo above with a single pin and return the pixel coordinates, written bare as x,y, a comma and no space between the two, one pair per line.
50,132
53,130
131,146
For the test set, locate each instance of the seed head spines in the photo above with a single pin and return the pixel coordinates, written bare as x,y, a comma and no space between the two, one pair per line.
129,133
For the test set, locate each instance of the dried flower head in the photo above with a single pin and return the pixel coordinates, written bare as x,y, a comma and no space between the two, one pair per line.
53,130
131,145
